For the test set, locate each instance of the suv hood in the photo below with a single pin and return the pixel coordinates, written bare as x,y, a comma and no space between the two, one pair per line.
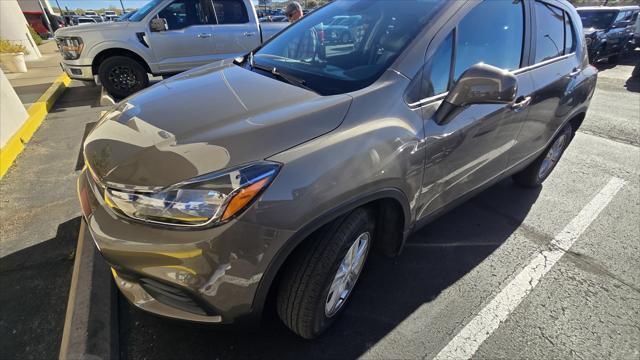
208,119
80,29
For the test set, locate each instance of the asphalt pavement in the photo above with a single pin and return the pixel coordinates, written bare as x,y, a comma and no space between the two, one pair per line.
458,286
39,228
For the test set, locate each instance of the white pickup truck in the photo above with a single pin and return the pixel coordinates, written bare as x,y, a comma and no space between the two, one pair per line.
163,37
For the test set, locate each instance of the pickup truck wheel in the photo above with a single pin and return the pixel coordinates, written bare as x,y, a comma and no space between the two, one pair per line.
122,76
323,273
536,173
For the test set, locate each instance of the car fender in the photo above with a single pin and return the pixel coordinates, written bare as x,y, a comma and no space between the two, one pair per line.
272,271
131,45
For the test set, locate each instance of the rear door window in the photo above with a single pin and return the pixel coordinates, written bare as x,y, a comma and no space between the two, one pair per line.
550,28
555,33
492,33
230,12
184,13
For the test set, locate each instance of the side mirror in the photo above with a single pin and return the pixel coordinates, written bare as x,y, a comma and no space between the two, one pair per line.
480,84
159,24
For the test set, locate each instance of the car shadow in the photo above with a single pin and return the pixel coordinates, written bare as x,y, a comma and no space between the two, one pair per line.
630,59
35,287
390,290
77,95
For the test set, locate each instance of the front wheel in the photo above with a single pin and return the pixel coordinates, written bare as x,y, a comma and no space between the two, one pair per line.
536,173
123,76
323,273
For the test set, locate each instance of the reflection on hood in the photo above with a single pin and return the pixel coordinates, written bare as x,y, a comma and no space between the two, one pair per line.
205,120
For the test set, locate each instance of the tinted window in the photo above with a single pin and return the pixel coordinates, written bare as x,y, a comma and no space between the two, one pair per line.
433,78
230,12
549,32
438,69
183,13
597,19
359,52
139,14
491,33
569,35
621,16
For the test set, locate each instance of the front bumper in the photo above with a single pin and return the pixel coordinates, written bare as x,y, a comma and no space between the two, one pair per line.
209,275
78,72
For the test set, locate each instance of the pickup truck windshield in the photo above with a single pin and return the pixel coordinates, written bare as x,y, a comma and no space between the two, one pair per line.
346,45
144,11
597,19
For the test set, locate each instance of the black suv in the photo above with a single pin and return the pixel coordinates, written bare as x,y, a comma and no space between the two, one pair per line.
609,31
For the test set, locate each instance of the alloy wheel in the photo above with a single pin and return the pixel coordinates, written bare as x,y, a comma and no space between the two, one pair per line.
123,78
552,157
348,272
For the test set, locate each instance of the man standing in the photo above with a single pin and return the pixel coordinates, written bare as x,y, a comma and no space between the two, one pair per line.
304,47
293,11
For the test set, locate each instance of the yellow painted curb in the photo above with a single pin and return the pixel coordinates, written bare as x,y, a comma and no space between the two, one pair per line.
37,112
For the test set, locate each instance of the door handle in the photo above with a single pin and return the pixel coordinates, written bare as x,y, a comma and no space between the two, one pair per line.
575,72
521,103
248,33
203,35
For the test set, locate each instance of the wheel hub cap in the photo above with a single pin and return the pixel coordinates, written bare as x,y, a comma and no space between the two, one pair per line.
552,157
123,78
347,274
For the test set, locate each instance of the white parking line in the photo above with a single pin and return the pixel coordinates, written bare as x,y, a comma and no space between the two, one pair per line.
469,339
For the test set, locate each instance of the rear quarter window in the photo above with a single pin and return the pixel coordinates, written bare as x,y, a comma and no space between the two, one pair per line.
555,32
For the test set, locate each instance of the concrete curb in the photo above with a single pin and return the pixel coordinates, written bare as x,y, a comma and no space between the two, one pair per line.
91,323
37,113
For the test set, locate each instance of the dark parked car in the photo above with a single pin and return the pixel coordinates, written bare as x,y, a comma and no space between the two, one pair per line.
609,31
279,172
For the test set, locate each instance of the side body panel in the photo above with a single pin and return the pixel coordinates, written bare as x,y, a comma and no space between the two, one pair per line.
178,50
563,88
473,148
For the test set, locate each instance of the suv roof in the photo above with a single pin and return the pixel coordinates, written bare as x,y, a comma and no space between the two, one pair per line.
619,8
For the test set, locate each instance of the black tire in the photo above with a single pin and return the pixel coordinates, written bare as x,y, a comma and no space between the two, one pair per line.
304,288
122,76
531,176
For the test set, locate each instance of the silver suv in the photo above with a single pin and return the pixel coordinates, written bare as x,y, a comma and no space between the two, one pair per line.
163,37
281,171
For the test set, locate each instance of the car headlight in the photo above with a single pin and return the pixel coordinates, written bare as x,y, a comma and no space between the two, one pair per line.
70,47
206,200
588,41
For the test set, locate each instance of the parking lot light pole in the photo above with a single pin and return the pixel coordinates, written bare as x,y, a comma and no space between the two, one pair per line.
121,4
59,8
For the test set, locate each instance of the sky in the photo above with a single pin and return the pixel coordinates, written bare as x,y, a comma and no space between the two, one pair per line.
97,4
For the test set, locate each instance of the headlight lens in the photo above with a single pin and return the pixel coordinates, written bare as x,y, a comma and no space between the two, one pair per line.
70,47
206,200
589,41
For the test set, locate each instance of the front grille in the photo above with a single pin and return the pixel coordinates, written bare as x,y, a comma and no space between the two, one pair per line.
171,296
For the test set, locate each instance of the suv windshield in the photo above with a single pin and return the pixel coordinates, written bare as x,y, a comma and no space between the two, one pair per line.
332,59
143,11
597,19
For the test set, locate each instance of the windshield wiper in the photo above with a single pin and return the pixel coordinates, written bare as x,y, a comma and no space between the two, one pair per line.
275,72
